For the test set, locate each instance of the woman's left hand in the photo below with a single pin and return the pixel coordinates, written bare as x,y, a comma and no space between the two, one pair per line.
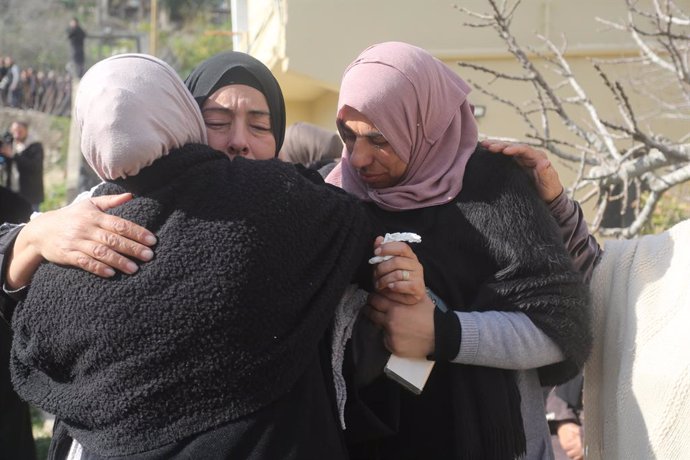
400,278
408,330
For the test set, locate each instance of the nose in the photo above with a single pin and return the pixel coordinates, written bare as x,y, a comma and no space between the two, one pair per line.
360,157
238,141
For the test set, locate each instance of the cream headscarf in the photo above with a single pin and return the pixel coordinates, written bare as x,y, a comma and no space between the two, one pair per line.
132,109
420,106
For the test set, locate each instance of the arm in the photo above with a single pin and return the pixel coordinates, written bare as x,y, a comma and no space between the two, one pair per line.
415,325
80,235
581,245
506,340
8,233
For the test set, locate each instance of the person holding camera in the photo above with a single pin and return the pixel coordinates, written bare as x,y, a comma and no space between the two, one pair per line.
23,161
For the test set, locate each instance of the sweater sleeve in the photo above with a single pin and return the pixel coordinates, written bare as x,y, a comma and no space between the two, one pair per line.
506,340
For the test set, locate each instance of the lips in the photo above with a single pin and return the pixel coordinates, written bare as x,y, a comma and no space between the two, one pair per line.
370,178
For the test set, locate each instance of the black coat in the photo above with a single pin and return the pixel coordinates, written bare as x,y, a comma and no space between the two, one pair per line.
215,331
13,207
29,164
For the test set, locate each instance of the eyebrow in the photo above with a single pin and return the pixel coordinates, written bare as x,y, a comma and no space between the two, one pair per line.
370,134
223,110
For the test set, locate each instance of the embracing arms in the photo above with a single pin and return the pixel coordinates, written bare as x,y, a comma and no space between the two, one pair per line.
80,235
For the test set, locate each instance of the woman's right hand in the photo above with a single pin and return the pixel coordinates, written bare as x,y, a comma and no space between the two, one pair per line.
80,235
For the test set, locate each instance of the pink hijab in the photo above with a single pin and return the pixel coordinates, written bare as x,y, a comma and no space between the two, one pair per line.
132,109
420,106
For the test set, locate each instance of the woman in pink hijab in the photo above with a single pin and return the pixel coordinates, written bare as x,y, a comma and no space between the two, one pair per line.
510,312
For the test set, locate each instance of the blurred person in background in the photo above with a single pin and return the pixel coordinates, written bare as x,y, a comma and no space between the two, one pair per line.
9,84
76,36
24,164
311,145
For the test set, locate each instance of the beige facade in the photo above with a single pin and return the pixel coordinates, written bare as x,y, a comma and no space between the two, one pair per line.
308,44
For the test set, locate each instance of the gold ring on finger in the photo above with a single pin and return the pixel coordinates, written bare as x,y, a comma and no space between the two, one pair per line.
405,275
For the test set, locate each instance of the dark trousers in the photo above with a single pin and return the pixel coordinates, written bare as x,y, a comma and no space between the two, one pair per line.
16,439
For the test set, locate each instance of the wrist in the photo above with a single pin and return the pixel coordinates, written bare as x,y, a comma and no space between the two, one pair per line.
447,335
549,199
23,260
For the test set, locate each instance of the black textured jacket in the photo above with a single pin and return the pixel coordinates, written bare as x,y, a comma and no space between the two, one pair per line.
250,263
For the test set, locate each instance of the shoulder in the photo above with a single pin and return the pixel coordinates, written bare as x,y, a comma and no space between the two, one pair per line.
491,175
276,176
35,148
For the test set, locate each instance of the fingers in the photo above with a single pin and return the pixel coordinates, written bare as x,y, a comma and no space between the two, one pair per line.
125,237
83,236
119,226
402,276
376,317
110,201
523,153
101,243
376,309
104,253
393,248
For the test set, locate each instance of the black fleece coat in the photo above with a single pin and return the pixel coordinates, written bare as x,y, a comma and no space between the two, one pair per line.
495,247
250,263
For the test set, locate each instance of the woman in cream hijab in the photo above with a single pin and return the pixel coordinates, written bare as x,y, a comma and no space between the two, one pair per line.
209,350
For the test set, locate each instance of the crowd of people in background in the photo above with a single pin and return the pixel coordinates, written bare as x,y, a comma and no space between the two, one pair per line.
47,91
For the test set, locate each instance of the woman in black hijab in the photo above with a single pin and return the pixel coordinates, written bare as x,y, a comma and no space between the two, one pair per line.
234,68
242,105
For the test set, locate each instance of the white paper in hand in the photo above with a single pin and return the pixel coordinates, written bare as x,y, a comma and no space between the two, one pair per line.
409,372
406,237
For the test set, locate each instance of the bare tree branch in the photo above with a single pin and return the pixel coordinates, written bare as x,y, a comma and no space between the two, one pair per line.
618,159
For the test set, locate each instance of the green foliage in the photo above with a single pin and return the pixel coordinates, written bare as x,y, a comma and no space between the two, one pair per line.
62,124
184,9
56,196
41,435
56,191
670,210
192,48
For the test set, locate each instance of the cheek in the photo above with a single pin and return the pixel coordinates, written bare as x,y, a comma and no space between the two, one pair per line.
217,140
396,167
263,147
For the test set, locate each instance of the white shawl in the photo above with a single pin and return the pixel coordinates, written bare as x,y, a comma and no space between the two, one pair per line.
637,381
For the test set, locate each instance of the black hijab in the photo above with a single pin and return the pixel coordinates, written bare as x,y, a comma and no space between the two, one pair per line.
235,68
